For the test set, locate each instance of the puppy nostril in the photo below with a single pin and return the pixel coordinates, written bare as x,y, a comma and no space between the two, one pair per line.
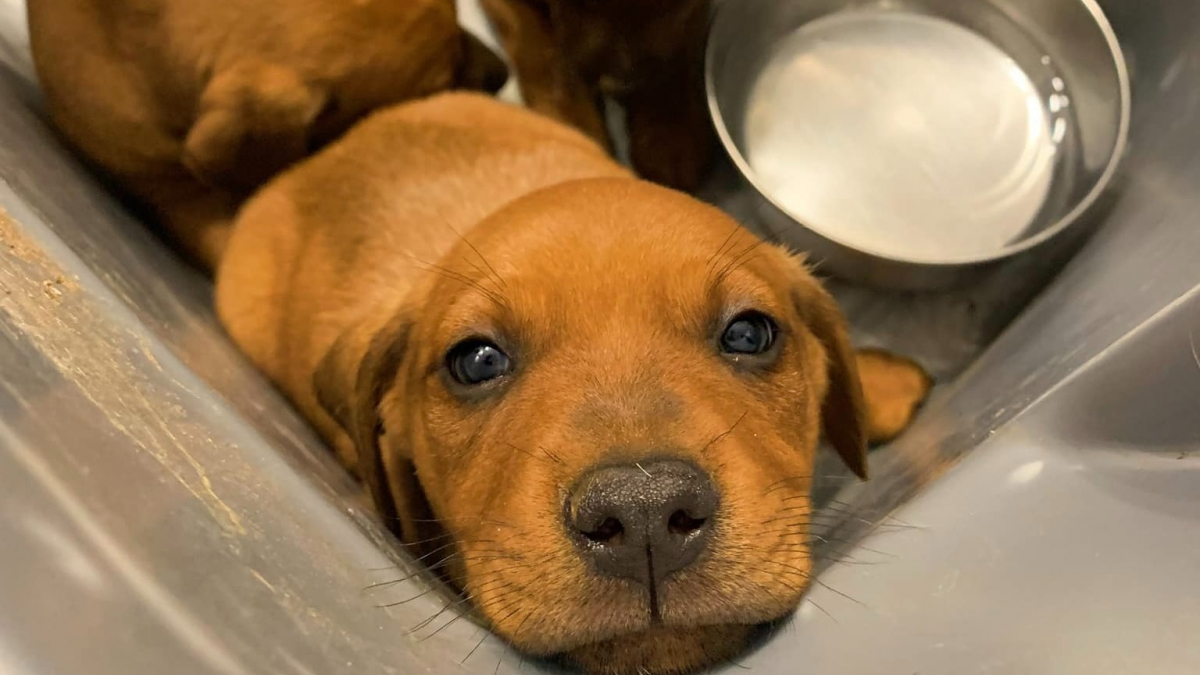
642,521
610,532
681,523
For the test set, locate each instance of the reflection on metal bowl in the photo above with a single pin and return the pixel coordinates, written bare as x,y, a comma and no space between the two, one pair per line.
906,144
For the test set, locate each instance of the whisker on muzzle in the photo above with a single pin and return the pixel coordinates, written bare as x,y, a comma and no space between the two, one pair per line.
820,608
825,539
814,580
723,435
547,455
418,596
445,608
427,569
783,482
553,456
859,514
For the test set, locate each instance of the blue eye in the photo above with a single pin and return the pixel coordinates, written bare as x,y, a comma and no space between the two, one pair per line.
477,361
749,333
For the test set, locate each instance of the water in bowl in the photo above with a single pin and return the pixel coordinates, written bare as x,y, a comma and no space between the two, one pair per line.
907,135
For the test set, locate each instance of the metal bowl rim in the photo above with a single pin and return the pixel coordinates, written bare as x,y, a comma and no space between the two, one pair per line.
1071,217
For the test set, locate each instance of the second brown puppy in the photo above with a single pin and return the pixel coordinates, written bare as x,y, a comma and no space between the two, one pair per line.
191,104
606,394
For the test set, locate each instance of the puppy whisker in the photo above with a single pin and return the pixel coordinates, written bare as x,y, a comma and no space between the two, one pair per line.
553,456
737,261
443,610
834,540
476,520
846,507
820,608
737,229
479,644
430,540
848,561
816,580
517,630
496,275
422,571
422,594
454,275
783,482
723,435
546,455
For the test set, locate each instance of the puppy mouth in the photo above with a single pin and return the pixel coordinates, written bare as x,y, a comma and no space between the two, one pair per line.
630,613
679,606
648,550
663,650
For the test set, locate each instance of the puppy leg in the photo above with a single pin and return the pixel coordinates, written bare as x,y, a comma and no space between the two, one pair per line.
893,387
254,120
671,141
207,223
548,84
198,218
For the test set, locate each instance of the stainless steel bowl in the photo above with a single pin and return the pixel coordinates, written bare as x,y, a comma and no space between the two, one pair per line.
910,143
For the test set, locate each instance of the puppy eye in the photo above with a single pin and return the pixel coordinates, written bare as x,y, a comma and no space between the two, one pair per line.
749,333
475,361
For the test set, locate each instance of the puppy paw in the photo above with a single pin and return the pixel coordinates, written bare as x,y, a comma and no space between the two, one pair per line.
253,121
894,388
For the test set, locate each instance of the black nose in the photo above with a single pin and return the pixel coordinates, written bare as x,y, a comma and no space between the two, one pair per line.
643,521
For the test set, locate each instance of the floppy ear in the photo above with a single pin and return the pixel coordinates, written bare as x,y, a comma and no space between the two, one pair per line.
843,412
252,121
350,383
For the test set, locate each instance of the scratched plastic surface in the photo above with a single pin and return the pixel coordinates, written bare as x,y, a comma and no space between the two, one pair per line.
163,511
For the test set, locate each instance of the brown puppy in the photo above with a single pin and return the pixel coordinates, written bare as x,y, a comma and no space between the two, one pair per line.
647,55
191,104
607,393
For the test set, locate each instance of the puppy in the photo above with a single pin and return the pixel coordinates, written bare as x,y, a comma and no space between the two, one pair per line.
606,393
647,55
190,105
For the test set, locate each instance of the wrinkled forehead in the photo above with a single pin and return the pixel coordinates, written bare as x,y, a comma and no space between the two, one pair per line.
588,262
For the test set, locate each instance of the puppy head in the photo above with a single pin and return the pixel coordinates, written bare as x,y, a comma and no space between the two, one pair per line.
612,396
620,45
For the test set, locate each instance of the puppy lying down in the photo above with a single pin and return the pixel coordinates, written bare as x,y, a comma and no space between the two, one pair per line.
190,105
607,394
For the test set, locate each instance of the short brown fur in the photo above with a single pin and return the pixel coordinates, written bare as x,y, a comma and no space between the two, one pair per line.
348,278
191,104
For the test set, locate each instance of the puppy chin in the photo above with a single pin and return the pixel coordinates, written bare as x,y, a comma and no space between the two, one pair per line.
662,650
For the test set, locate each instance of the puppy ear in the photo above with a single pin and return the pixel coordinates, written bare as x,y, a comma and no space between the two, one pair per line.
252,121
350,383
843,412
